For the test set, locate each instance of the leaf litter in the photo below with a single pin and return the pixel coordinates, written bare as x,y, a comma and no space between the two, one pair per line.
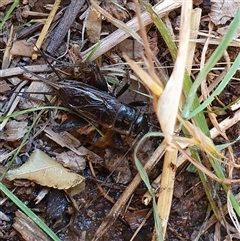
76,150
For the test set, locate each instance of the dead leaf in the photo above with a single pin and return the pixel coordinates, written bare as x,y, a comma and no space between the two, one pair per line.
5,2
4,87
135,218
131,48
71,160
65,139
223,11
118,164
43,170
22,48
93,25
15,130
116,8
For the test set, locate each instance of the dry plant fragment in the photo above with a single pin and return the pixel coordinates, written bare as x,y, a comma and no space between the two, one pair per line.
15,130
22,48
46,27
166,105
43,170
7,57
28,229
119,35
223,11
93,25
5,2
66,21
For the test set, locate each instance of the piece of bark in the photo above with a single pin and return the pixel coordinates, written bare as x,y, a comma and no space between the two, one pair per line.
61,30
28,229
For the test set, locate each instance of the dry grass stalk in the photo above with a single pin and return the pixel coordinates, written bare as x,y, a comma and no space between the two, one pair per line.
18,70
119,35
7,57
195,21
46,27
225,124
121,202
167,110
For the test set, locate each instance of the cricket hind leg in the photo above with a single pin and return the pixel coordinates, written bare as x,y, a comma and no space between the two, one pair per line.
71,123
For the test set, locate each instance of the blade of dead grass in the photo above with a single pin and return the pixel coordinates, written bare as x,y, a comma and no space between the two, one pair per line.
195,21
199,120
7,57
167,109
46,27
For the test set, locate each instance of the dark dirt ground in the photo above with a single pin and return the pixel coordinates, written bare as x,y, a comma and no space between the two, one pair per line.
189,206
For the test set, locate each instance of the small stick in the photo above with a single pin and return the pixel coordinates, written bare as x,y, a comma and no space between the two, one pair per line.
46,27
61,30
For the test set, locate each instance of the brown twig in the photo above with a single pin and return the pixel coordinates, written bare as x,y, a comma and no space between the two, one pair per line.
61,30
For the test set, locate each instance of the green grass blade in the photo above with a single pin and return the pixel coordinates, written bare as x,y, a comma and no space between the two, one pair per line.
199,118
145,179
219,89
92,52
29,213
17,113
217,54
18,202
15,3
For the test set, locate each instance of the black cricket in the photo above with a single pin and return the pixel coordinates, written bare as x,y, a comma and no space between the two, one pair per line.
98,106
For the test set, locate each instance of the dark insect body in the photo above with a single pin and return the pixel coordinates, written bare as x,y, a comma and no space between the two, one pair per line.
100,107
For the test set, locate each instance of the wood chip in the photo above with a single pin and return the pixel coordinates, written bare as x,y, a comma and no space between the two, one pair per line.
28,229
14,130
61,30
4,87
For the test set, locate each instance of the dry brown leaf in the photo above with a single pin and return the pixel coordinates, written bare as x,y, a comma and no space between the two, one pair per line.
22,48
71,160
43,170
15,130
131,48
121,172
5,2
116,8
65,139
4,87
135,218
222,11
93,25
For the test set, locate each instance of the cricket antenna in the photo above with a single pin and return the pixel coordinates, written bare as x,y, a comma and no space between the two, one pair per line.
45,58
